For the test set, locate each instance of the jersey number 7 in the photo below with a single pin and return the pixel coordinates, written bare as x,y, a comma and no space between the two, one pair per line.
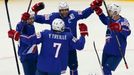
58,46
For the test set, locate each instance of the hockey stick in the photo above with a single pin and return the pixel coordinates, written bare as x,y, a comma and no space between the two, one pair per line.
27,12
17,64
98,57
126,65
29,5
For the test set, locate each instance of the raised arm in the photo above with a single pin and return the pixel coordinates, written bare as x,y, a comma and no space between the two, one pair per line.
40,18
79,43
30,40
88,11
104,19
84,14
95,5
33,39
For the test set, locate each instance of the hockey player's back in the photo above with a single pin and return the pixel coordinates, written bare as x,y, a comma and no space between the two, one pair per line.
54,51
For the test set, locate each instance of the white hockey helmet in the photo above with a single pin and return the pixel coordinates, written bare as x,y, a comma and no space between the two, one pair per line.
114,8
58,25
63,5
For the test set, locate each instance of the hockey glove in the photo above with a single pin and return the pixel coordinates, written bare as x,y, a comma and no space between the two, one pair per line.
25,16
98,11
37,7
95,4
13,34
83,29
115,27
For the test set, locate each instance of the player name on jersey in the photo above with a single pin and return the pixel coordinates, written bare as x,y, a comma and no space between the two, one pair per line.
56,36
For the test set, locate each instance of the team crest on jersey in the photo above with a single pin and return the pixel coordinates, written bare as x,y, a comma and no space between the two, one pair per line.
71,18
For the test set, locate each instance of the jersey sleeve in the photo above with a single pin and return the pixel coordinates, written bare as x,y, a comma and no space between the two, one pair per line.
77,43
125,28
33,39
42,18
85,13
104,19
19,27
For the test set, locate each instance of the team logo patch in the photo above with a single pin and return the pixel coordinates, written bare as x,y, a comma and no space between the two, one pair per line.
47,16
74,39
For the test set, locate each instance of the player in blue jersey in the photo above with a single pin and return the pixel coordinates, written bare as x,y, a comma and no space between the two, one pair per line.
56,43
70,17
116,25
28,53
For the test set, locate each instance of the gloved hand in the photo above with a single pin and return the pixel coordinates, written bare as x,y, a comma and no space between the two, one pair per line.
25,16
98,11
37,7
83,29
115,27
13,34
95,4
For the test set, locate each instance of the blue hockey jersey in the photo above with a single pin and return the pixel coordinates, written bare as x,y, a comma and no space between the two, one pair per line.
111,45
70,21
26,51
54,49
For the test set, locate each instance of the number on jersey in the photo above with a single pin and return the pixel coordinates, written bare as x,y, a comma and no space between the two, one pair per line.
58,45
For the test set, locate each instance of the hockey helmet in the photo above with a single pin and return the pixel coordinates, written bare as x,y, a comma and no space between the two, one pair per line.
58,25
114,8
63,5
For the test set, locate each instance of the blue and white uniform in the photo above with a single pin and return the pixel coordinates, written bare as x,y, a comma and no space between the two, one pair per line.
111,46
28,53
71,22
111,53
55,47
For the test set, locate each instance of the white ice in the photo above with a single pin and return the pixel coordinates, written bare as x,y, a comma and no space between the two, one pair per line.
88,63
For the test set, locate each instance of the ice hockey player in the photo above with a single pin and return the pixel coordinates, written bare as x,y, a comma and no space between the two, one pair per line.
56,43
70,17
116,25
28,53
